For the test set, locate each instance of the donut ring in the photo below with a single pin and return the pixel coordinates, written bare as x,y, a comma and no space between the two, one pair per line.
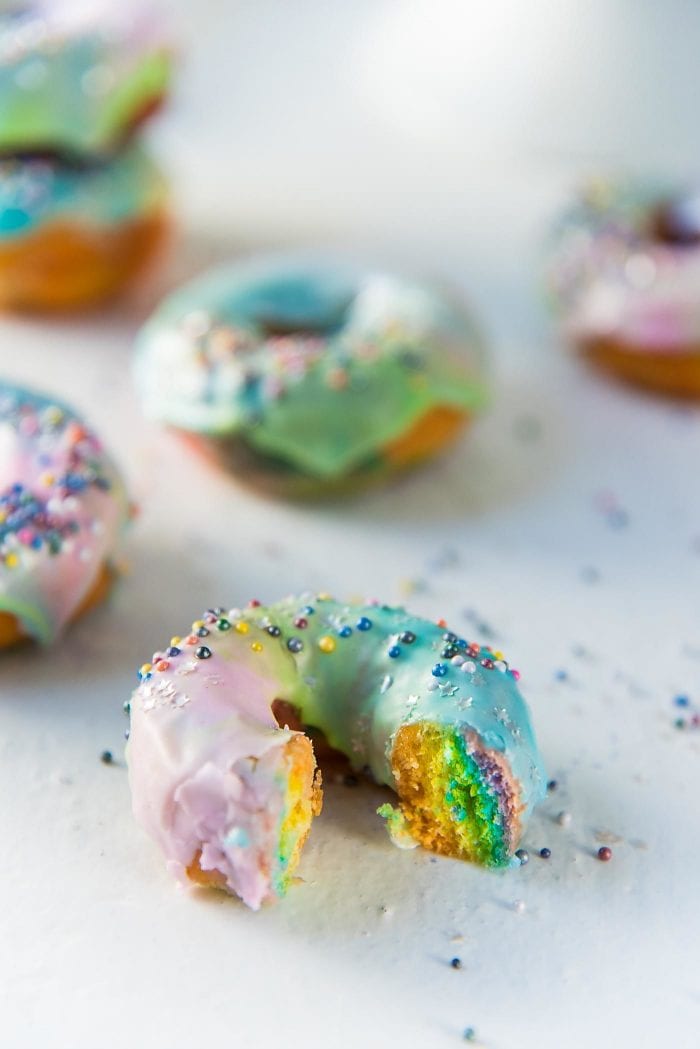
72,235
78,77
62,509
306,378
227,786
624,275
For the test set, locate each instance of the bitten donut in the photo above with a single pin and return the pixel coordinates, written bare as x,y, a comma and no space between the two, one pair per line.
72,234
228,786
77,76
62,509
306,377
625,276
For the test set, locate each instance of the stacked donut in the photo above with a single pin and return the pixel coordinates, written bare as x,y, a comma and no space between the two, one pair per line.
82,205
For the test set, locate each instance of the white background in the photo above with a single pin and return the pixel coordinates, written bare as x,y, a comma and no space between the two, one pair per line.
442,138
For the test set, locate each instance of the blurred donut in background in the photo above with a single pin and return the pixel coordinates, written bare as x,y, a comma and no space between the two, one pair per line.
624,277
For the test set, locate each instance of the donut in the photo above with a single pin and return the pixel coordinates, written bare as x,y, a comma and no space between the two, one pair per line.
62,509
74,234
224,777
624,275
77,76
307,377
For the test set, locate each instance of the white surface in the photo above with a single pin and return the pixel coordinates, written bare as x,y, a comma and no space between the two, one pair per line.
97,947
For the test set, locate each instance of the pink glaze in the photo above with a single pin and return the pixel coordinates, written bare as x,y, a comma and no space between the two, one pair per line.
206,765
72,509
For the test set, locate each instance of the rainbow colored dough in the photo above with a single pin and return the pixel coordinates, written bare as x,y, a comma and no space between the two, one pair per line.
227,785
306,377
72,235
76,76
624,275
62,510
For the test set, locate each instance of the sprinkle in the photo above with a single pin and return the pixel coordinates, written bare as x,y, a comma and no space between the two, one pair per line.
175,641
256,646
173,651
273,631
469,667
242,627
469,1034
363,623
604,853
326,644
552,786
162,665
519,906
295,644
564,819
254,603
106,757
394,652
145,669
223,624
682,701
439,670
407,637
203,652
523,855
387,682
456,963
545,853
345,631
300,623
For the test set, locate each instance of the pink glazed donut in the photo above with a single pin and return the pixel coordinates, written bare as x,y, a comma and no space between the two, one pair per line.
62,509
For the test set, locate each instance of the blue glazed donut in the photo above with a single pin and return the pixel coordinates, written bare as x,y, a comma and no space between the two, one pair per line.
306,375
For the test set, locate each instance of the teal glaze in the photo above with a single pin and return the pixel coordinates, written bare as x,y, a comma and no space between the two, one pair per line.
359,696
319,364
73,77
37,192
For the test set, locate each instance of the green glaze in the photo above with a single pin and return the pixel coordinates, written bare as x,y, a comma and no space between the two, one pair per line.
75,81
316,365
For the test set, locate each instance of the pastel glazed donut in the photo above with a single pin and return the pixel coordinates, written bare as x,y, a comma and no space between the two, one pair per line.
226,783
306,377
624,274
76,76
62,510
73,235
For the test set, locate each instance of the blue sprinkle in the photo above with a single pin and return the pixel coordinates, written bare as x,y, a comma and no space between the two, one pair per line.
345,631
682,701
439,670
363,623
173,651
308,610
394,652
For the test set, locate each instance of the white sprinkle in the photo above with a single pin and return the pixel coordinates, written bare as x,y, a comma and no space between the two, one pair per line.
519,906
468,667
457,661
564,819
187,668
386,684
432,685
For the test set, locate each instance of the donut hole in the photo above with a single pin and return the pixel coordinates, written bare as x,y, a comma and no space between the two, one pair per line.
676,222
